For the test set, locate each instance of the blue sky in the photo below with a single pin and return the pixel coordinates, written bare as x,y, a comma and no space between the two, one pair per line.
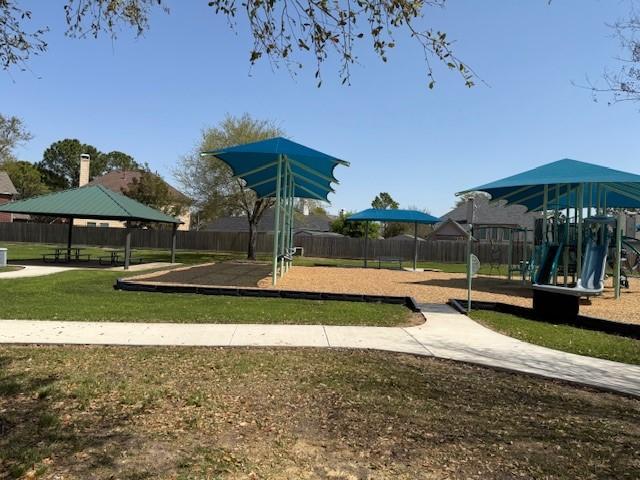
151,96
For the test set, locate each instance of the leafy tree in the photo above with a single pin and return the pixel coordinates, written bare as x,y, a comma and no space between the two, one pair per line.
25,177
13,133
60,163
211,183
120,161
150,189
284,31
354,229
384,201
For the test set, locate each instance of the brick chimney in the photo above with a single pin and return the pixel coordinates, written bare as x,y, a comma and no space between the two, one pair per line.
85,160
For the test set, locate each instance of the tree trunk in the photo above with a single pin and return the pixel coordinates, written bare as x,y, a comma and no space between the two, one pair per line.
253,239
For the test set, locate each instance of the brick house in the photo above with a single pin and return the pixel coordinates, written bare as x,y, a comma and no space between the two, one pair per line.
7,194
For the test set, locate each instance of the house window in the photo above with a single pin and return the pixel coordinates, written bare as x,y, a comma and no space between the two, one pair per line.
91,224
105,225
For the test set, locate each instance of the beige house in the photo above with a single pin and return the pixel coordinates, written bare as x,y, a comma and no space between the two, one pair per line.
119,181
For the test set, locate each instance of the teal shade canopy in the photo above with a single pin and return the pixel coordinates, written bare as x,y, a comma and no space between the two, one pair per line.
257,164
92,202
401,216
622,189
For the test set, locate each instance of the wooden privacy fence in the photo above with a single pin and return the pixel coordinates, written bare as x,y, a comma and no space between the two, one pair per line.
329,247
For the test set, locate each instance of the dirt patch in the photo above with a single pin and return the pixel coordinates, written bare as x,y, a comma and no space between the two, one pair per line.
233,273
439,287
90,412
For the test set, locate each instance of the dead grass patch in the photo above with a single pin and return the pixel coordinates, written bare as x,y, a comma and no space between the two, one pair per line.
92,412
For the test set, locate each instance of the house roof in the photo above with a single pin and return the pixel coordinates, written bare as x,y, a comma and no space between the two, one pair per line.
90,201
315,233
6,185
449,224
120,180
494,213
318,223
406,237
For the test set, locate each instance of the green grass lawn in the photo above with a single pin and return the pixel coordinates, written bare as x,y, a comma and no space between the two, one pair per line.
205,413
30,251
89,295
563,337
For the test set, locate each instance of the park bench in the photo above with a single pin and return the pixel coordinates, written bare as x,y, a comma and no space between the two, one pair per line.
382,260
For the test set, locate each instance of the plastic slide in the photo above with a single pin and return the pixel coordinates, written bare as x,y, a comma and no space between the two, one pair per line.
549,263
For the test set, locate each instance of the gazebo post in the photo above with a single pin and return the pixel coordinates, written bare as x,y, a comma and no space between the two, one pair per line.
366,242
415,246
276,225
127,246
69,239
174,235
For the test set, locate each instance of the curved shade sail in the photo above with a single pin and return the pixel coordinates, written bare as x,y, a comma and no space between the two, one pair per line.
617,189
94,202
380,215
257,164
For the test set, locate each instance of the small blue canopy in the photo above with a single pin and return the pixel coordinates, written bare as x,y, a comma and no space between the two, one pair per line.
622,189
380,215
257,164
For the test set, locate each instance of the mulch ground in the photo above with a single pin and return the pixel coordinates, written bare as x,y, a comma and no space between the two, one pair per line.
198,413
425,287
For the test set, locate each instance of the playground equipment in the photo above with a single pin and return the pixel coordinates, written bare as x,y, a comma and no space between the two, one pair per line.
564,191
563,300
521,266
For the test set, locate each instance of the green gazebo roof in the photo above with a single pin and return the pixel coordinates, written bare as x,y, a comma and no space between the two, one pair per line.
93,202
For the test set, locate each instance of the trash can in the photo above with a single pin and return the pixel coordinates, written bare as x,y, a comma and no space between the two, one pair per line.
3,257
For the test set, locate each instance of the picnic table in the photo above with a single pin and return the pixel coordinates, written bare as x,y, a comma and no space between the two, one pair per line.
65,254
113,258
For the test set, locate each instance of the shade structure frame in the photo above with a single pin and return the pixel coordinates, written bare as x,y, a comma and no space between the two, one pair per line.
414,217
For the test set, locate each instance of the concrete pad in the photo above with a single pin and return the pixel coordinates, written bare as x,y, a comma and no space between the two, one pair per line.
33,271
375,338
280,336
113,333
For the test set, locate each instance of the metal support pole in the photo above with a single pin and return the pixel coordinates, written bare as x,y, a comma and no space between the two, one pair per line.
276,224
545,201
415,246
565,258
590,202
285,220
469,276
509,255
579,228
69,239
291,219
127,247
619,233
366,242
174,236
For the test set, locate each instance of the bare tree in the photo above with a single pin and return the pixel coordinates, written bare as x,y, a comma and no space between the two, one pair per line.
623,84
210,182
13,133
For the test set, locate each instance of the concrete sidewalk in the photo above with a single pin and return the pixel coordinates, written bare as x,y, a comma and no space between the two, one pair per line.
446,334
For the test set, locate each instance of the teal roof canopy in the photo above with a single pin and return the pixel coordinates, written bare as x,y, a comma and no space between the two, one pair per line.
93,202
622,189
392,215
257,164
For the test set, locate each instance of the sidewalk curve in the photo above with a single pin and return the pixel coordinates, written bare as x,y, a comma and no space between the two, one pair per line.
445,334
